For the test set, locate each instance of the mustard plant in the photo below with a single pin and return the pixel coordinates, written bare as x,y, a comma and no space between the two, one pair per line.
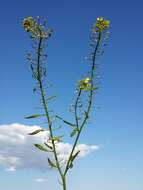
40,33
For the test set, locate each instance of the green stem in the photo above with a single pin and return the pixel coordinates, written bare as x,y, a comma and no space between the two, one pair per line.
45,105
89,105
76,104
64,182
63,174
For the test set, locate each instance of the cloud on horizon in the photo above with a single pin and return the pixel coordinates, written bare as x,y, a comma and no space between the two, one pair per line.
17,150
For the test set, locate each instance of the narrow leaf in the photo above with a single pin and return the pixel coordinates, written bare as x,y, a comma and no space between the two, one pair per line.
41,147
75,155
73,132
72,159
34,116
50,98
50,147
68,123
51,163
36,132
57,138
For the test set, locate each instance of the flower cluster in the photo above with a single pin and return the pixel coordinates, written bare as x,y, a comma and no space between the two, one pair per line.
85,84
35,28
101,24
28,23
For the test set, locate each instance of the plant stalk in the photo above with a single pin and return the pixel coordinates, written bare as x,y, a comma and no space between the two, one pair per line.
47,112
89,105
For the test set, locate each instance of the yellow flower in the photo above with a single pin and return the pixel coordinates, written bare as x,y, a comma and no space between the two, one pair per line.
102,24
85,84
28,23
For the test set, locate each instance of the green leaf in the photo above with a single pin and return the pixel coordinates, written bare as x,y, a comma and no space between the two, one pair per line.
36,131
41,147
57,138
51,163
68,123
50,147
74,132
34,116
72,159
75,155
50,98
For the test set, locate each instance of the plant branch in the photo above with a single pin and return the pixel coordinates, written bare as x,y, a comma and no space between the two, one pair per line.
45,104
75,108
89,105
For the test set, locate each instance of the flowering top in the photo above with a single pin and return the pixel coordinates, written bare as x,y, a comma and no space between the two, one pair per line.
35,28
101,24
85,84
28,23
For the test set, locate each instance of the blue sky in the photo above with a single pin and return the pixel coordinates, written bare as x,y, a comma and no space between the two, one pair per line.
117,125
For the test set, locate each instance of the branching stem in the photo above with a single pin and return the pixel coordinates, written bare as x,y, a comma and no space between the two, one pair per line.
63,174
89,105
40,35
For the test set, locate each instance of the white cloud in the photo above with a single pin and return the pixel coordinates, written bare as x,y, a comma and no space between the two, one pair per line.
41,180
10,169
17,150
